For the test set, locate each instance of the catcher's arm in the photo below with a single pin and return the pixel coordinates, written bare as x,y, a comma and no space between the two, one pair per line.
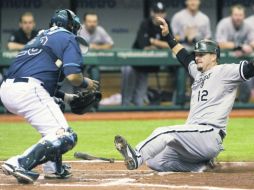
78,80
181,53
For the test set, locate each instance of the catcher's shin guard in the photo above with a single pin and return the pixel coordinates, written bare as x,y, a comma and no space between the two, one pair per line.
49,148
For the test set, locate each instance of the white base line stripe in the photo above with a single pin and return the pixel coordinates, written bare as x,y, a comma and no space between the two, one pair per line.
121,183
121,161
181,186
126,183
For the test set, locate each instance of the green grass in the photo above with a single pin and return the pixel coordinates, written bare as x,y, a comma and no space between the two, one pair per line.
96,137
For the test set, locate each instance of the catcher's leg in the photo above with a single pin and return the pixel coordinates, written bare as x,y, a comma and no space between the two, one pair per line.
49,148
32,101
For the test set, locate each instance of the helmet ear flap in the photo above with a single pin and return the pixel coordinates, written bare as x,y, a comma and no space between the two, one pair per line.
70,19
72,22
218,52
69,15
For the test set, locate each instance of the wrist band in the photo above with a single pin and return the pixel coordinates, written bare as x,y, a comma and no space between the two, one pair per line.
84,84
171,41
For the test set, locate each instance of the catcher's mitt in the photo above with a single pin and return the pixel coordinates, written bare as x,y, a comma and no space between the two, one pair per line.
84,101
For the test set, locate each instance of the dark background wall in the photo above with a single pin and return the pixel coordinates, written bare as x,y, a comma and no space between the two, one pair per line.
121,18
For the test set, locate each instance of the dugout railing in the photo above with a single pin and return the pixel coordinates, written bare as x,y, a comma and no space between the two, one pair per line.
112,59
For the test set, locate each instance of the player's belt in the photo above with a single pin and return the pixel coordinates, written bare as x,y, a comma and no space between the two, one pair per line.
21,80
25,80
221,132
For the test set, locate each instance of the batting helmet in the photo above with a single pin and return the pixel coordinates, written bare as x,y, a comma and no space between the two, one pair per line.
207,46
67,19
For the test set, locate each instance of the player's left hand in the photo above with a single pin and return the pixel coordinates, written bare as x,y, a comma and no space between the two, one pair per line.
163,25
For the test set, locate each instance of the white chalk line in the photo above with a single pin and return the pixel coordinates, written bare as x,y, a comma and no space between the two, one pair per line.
121,161
108,171
125,182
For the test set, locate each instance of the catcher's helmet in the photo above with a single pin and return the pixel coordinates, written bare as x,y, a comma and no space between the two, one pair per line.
67,19
207,46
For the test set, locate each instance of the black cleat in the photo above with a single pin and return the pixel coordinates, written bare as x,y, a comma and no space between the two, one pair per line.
7,169
127,152
22,175
65,174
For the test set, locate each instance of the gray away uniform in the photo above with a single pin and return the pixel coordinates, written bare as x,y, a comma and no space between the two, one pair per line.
191,146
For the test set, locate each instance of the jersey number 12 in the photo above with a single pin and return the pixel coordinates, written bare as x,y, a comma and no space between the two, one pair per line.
202,95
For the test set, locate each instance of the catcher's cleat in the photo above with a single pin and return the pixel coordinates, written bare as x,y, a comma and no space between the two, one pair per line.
22,175
127,152
7,169
65,173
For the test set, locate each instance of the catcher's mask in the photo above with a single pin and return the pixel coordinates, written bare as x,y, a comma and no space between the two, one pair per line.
207,46
67,19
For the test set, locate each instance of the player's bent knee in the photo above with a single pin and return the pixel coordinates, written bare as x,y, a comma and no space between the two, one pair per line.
63,139
68,141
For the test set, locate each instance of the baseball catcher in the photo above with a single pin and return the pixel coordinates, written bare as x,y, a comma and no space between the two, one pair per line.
29,89
193,146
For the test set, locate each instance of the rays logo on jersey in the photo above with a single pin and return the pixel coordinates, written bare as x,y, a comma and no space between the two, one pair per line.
201,81
34,46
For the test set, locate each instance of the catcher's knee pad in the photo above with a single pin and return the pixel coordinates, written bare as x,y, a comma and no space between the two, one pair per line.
67,141
48,148
63,139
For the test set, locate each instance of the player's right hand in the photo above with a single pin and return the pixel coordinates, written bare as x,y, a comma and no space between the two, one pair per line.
163,25
93,85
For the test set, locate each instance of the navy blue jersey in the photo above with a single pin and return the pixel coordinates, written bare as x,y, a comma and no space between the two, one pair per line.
38,58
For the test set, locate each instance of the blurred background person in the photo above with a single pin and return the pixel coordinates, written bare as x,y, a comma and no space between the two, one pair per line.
190,24
24,34
97,37
135,79
233,33
250,20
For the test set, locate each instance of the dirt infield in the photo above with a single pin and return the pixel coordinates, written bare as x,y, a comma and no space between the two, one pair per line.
151,115
106,176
